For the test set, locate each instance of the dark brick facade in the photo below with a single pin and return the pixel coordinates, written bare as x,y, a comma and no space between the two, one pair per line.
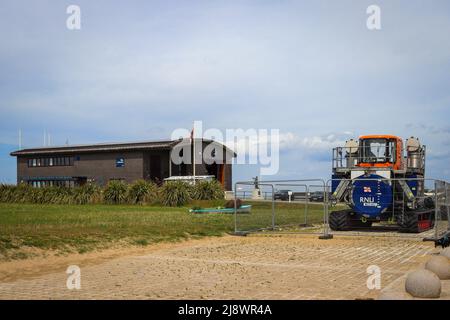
102,163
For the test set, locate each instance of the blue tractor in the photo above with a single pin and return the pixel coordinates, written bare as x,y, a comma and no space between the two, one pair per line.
380,181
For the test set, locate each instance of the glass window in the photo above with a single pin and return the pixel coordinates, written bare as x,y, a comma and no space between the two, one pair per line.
378,150
50,162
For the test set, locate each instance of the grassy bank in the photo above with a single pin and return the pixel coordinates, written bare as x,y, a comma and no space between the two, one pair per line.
82,228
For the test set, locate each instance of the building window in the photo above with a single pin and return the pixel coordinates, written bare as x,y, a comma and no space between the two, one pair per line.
50,162
51,183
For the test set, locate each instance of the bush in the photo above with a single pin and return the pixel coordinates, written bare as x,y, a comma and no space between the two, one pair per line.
87,194
24,193
208,190
49,195
172,193
10,193
175,193
142,192
115,192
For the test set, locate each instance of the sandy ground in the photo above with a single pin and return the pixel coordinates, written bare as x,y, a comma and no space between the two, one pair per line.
253,267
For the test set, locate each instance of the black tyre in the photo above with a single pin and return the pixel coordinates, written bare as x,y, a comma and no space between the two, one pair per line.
409,223
416,221
345,220
339,220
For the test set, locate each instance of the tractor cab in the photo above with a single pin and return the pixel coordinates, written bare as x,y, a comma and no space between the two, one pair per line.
380,151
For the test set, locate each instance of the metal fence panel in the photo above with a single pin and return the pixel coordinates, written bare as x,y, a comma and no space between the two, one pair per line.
291,212
272,211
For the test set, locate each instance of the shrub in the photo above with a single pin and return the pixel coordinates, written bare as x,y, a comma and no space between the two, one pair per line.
86,194
21,193
208,190
8,193
142,192
50,195
175,193
115,192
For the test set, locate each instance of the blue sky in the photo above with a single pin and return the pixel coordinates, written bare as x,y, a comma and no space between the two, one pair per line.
139,69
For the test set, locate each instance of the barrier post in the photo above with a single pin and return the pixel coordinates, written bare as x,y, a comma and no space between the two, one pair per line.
326,232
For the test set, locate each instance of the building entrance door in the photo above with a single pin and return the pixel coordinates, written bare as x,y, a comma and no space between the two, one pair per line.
155,168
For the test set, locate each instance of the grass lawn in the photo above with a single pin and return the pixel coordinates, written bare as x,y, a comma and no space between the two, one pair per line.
82,228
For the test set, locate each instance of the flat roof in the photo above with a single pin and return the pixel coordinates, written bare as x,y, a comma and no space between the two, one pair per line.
379,136
107,147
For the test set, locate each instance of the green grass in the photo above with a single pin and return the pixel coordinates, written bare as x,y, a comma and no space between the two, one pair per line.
285,214
82,228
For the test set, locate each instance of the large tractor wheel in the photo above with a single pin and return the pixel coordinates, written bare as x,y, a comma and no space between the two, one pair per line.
345,220
338,220
416,221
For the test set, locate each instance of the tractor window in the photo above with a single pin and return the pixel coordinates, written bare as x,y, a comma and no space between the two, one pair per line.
378,151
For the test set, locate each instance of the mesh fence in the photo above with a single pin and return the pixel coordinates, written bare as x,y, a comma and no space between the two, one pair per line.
304,206
293,206
442,203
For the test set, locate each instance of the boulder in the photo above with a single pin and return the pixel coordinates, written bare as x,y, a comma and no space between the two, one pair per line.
446,252
439,265
423,284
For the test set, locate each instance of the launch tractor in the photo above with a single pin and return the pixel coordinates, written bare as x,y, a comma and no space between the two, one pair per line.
381,179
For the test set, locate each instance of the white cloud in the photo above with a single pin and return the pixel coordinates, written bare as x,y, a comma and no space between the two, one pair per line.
319,76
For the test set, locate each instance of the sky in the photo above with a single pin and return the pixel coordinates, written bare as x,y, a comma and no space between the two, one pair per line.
137,70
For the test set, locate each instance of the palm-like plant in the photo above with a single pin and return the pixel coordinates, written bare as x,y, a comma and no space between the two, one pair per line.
175,193
115,192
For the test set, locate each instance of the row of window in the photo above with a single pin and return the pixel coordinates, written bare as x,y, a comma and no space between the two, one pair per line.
51,183
50,162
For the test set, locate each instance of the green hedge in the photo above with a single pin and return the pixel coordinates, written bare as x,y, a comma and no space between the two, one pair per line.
176,193
172,193
143,192
208,190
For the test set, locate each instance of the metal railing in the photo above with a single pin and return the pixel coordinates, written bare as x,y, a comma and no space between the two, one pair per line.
304,216
282,213
352,157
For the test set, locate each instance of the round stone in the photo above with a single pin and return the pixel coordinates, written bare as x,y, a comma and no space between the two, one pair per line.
423,284
439,265
446,252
